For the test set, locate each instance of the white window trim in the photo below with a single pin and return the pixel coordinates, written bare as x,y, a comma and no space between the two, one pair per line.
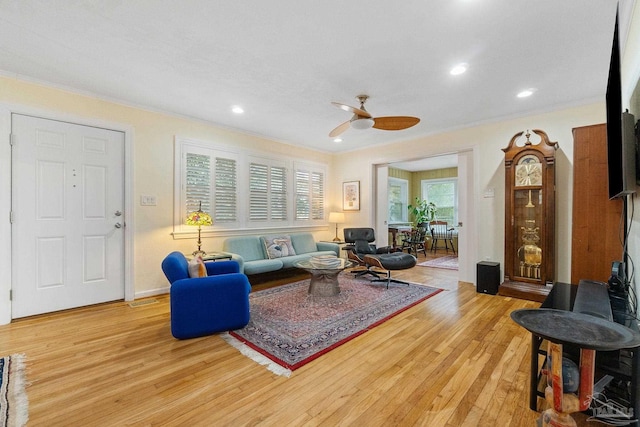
312,168
270,162
423,192
404,185
242,226
183,146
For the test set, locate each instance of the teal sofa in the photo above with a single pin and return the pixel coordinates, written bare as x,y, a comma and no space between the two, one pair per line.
251,252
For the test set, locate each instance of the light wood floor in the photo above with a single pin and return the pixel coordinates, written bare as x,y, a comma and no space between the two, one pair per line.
456,359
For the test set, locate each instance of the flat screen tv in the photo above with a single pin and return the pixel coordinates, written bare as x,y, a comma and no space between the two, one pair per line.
621,150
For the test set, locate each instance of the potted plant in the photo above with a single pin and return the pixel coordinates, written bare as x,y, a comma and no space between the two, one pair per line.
422,211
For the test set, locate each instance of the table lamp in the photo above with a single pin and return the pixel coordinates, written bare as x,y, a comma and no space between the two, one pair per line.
338,218
199,218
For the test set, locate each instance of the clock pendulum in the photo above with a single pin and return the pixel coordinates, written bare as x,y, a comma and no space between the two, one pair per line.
530,254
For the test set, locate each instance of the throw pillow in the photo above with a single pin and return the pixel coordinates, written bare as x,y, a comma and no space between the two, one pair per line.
197,268
278,246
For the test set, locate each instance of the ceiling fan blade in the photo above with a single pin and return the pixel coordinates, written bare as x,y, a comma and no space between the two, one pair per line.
341,128
395,122
354,110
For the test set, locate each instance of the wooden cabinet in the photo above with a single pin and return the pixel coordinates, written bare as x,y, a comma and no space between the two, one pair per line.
596,231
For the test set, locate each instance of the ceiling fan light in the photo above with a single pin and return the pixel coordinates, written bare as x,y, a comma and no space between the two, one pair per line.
458,69
362,124
526,93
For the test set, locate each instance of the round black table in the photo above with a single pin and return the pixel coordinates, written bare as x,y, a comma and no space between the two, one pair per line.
582,330
588,332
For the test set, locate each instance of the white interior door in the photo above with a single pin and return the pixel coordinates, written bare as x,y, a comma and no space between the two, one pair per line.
467,229
67,215
382,205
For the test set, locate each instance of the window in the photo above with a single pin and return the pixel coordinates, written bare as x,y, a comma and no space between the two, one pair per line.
267,192
398,194
246,190
210,180
309,197
226,205
444,193
198,182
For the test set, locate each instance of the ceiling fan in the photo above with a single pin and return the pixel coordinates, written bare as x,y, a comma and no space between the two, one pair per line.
363,120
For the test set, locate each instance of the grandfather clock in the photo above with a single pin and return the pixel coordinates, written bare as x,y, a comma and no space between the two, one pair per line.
530,213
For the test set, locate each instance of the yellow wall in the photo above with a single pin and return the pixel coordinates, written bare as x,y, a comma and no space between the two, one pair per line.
399,173
153,165
153,136
487,141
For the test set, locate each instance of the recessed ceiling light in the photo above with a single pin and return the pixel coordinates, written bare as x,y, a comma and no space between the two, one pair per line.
458,69
337,140
525,93
237,109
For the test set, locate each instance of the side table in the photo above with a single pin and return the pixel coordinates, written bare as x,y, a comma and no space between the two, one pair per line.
211,256
622,365
324,280
216,256
587,332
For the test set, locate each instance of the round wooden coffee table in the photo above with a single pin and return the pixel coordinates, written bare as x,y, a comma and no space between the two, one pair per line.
324,280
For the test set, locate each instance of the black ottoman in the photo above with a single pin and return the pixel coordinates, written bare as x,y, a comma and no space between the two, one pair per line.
390,262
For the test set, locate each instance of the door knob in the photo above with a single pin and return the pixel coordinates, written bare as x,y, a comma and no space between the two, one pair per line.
118,225
118,213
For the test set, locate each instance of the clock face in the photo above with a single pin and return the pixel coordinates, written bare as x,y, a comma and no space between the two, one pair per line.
528,171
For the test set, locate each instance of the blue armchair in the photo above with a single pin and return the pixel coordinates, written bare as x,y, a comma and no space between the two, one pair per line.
205,305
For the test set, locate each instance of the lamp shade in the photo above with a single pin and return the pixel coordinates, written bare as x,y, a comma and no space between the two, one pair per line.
198,218
337,217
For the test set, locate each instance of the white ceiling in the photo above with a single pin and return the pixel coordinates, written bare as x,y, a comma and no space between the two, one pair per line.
285,61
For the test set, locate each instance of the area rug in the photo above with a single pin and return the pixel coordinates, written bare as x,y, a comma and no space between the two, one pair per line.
450,262
289,328
14,406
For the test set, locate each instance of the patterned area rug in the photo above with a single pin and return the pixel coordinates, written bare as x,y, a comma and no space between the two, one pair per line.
14,406
450,262
291,328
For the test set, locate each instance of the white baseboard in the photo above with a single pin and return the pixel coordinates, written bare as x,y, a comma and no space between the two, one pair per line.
152,292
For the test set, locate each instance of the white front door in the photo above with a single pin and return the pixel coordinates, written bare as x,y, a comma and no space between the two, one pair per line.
67,215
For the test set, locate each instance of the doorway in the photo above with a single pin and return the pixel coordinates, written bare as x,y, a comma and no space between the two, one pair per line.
466,224
67,198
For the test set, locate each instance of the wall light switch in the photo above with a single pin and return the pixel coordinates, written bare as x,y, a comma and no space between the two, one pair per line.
489,193
147,200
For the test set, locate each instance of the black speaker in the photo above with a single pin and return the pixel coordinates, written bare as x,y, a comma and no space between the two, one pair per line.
617,280
487,277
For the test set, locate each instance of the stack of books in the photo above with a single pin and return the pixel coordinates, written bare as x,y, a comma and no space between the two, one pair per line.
325,261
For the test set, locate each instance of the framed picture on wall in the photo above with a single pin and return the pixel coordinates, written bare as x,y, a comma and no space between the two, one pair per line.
351,196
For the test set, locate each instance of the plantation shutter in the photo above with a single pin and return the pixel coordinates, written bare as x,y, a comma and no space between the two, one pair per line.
267,192
258,194
303,184
278,194
317,195
225,199
309,197
197,182
245,190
